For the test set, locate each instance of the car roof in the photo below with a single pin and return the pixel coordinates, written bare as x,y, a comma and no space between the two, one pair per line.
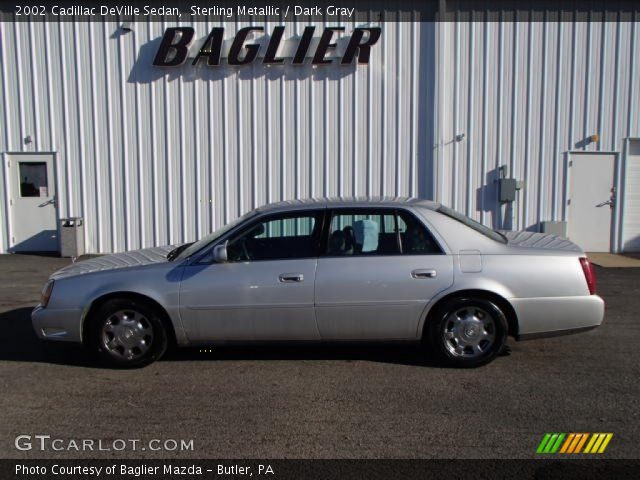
346,202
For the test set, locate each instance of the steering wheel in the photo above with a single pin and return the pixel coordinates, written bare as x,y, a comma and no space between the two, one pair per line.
245,250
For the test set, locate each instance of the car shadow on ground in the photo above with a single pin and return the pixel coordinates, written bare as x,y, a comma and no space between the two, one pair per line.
19,343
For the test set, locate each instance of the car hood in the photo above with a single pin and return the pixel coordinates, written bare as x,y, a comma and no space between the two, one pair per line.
540,241
134,258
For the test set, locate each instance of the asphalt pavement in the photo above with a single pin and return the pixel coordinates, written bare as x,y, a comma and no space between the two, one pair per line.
349,401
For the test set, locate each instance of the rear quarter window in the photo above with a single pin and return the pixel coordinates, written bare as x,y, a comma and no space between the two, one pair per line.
478,227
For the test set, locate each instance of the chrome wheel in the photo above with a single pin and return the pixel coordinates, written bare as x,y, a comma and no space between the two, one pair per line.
469,332
127,335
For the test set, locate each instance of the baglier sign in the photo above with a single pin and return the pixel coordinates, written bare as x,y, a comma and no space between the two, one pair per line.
174,47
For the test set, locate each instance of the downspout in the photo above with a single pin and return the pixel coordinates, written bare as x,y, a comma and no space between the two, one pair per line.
439,114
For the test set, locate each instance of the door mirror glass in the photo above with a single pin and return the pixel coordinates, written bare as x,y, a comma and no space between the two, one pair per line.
220,253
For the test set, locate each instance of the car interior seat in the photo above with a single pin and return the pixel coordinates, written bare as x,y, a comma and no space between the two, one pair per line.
366,234
337,243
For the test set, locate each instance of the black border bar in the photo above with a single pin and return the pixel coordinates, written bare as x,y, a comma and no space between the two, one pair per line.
376,11
548,469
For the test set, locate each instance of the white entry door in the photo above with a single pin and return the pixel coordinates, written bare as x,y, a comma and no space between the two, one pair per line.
33,203
591,202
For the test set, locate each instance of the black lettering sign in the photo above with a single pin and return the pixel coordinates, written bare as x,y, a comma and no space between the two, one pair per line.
179,48
325,44
272,48
211,48
174,47
363,49
303,46
236,47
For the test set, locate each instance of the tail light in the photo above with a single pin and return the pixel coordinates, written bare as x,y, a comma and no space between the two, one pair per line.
589,274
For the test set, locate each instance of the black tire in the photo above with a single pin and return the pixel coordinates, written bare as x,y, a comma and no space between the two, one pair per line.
466,332
125,333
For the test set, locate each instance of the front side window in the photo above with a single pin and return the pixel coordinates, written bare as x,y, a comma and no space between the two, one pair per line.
278,237
190,248
378,232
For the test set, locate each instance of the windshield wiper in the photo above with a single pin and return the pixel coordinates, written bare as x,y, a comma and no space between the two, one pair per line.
177,251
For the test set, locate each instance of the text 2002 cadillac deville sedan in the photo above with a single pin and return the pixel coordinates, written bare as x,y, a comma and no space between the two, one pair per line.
328,270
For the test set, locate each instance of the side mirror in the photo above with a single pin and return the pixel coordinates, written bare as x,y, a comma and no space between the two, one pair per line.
220,253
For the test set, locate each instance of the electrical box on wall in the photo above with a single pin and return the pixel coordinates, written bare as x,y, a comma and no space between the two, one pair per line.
555,228
507,189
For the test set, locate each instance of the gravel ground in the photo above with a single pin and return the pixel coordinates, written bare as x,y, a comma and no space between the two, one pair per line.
321,401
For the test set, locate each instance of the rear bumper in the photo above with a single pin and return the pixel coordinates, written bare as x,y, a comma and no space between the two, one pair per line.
57,324
551,316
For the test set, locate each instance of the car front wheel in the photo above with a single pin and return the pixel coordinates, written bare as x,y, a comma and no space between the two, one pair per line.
467,332
126,333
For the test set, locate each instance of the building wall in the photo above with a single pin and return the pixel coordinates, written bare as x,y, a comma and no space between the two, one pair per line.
151,156
524,94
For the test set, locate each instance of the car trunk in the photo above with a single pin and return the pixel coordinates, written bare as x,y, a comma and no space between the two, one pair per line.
540,241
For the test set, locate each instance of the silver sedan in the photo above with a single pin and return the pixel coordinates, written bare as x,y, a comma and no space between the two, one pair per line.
372,269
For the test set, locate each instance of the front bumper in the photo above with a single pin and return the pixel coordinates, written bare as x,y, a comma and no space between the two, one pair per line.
63,325
550,316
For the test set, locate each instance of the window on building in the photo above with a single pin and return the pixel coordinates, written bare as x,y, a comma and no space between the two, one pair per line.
33,179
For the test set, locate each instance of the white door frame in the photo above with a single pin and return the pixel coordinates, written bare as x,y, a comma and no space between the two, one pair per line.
9,190
616,224
622,186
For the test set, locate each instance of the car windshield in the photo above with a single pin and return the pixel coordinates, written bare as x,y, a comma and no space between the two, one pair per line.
478,227
204,241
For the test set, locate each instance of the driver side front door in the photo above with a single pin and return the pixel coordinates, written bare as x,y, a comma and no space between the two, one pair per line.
265,291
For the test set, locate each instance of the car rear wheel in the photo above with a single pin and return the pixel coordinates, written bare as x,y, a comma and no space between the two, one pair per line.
467,332
126,333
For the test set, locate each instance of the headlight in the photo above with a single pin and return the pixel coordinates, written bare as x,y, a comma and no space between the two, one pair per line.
46,293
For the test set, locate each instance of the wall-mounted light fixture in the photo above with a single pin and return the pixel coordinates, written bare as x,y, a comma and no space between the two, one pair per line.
460,137
28,139
126,26
594,138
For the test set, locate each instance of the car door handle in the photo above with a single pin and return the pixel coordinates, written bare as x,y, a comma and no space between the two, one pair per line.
423,273
291,277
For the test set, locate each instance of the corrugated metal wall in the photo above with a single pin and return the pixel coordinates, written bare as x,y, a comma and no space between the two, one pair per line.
523,94
152,157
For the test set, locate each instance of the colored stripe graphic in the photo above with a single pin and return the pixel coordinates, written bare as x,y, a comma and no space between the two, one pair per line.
591,443
550,443
543,443
598,442
556,445
573,443
567,443
581,442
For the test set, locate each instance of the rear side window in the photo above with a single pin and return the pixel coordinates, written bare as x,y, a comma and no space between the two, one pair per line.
478,227
361,232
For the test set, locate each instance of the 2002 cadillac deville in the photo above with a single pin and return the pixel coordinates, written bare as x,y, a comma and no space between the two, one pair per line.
328,270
